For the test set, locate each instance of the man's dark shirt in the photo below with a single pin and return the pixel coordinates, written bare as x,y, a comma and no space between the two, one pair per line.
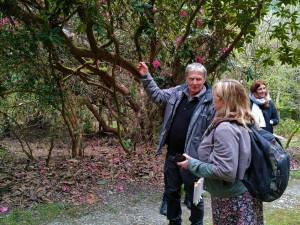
179,127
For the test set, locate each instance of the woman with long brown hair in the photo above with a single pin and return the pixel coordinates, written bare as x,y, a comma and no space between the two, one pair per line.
226,154
262,107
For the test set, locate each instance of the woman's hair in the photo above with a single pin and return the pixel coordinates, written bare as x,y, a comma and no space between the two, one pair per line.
197,68
235,102
256,84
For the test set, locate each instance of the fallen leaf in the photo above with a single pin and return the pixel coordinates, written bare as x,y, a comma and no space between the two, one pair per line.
91,199
102,182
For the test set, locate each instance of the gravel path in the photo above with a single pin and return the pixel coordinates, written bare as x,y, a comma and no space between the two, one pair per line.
139,206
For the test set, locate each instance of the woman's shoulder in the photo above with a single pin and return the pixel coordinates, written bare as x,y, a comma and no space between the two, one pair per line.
227,127
271,103
231,133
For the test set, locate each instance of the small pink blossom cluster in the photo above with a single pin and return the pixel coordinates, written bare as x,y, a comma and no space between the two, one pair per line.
200,59
183,14
154,10
4,21
224,50
8,21
198,22
201,11
179,40
156,64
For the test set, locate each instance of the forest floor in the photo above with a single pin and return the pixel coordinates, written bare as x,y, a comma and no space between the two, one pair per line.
108,186
105,166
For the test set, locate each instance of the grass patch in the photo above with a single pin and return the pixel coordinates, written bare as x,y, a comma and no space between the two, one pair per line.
282,216
295,174
38,214
3,153
295,142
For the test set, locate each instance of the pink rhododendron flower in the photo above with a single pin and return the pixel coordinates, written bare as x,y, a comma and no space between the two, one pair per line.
178,40
156,64
198,22
201,11
224,50
183,14
106,15
200,59
4,21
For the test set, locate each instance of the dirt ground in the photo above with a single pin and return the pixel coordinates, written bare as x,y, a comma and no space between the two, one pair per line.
105,166
118,189
137,205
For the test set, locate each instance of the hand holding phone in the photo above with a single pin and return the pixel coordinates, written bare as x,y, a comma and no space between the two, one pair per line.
179,158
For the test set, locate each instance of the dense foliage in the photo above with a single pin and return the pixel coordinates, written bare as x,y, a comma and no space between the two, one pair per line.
78,58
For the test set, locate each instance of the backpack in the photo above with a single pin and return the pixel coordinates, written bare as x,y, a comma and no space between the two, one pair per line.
268,174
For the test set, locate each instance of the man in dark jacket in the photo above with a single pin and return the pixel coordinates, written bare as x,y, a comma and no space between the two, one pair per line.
188,112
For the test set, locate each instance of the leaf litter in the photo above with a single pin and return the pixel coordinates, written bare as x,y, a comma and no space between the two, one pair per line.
24,183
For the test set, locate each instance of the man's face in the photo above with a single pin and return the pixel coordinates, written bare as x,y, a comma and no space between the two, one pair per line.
195,82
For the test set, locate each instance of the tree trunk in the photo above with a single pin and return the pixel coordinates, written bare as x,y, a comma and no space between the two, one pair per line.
72,121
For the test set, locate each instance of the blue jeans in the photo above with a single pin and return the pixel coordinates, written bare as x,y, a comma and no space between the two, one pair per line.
174,178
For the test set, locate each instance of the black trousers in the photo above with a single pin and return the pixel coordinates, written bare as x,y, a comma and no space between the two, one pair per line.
174,178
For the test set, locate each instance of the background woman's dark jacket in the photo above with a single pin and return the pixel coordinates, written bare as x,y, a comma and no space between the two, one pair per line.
270,114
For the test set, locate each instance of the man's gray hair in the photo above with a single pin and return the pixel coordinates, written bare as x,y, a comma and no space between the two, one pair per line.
196,68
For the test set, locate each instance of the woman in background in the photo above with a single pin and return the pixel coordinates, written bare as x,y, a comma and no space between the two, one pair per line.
225,154
263,109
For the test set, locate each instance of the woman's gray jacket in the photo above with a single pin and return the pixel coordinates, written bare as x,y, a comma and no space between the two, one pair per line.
225,155
170,99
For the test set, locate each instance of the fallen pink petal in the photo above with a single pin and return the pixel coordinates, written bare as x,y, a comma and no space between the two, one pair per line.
4,209
64,188
120,188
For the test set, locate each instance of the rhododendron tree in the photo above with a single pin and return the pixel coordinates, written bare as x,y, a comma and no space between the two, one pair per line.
93,48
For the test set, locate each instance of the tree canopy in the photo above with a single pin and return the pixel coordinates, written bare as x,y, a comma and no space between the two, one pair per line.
75,53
